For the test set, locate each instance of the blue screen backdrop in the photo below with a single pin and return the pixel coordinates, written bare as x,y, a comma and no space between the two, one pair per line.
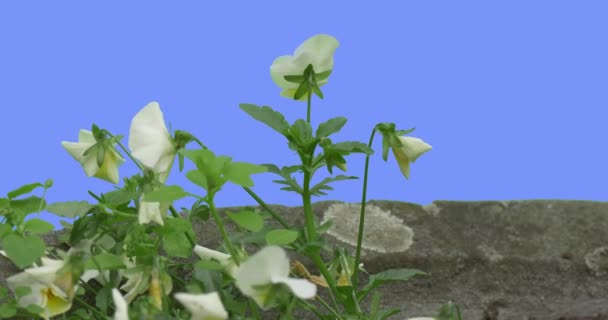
512,95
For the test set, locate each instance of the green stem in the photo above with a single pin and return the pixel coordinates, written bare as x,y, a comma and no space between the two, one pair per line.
126,151
330,309
223,233
88,306
308,105
355,277
265,206
311,232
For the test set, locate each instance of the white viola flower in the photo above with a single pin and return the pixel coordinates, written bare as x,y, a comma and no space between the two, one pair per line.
317,50
111,161
411,149
51,286
150,141
257,276
224,259
206,306
152,211
120,305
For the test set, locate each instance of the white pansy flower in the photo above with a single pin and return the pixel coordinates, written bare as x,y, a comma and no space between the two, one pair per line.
152,211
317,50
224,259
51,288
206,306
411,149
270,266
120,305
150,142
112,159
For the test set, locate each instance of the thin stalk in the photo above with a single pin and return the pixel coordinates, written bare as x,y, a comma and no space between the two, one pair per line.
223,233
265,206
355,278
126,151
332,311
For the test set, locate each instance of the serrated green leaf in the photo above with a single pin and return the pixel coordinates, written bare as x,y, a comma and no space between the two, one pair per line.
106,261
330,127
23,250
239,172
27,188
281,237
268,116
165,194
247,219
37,226
70,209
352,146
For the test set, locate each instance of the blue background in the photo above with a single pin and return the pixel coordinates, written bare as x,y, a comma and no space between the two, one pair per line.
512,95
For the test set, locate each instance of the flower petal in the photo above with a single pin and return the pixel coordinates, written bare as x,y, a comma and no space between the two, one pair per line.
120,305
414,147
260,268
203,306
301,288
150,141
150,211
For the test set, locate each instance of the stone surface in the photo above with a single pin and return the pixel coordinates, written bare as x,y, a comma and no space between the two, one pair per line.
536,259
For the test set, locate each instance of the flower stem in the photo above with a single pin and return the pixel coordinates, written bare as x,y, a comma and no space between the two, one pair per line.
355,277
126,151
223,233
265,206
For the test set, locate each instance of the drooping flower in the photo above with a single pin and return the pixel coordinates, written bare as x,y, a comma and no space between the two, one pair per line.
111,160
120,305
317,50
207,306
51,286
150,141
264,272
152,211
411,148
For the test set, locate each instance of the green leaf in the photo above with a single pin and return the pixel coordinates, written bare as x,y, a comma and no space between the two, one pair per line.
34,308
37,226
28,205
316,190
352,146
208,265
301,131
22,291
239,172
268,116
385,147
247,219
8,310
104,299
285,172
27,188
118,197
4,229
322,75
165,194
69,209
197,178
101,154
330,127
391,275
281,237
174,238
106,261
23,250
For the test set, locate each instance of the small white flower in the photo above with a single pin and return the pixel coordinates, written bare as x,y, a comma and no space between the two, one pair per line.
411,149
270,266
224,259
206,306
50,289
317,50
152,211
150,142
112,159
120,305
